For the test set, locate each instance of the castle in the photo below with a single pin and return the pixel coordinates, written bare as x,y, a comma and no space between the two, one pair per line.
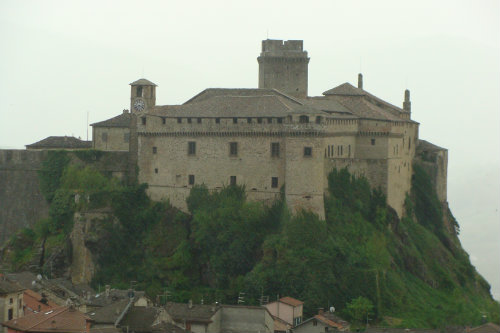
267,138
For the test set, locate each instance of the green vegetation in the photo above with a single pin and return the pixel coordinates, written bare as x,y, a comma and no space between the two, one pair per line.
362,259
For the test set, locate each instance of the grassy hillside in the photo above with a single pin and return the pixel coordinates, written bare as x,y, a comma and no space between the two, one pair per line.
413,270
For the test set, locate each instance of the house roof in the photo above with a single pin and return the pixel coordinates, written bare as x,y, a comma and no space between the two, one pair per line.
109,313
291,301
142,82
33,301
140,318
114,295
345,89
236,106
24,279
9,287
166,328
61,319
122,120
63,142
213,92
196,313
486,328
427,146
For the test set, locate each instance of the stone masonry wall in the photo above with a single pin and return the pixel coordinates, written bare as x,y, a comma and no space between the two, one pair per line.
21,202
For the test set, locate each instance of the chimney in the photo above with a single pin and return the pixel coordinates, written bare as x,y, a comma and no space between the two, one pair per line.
320,311
125,111
407,103
108,288
190,304
360,81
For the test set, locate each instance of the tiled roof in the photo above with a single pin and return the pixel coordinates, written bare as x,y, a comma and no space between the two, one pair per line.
8,287
25,279
427,146
486,328
213,92
236,106
140,318
62,319
110,313
122,120
33,302
195,313
167,328
291,301
114,296
345,89
63,142
328,322
142,82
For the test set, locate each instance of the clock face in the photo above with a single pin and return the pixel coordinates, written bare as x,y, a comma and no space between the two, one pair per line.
139,105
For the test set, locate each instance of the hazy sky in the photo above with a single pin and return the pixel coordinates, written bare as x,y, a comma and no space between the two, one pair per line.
63,59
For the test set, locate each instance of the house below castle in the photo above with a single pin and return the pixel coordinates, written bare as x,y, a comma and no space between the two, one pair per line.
270,139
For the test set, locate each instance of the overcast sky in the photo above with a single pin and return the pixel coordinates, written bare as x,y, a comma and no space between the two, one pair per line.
63,59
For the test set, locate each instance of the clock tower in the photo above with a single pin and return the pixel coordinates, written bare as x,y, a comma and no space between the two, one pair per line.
142,95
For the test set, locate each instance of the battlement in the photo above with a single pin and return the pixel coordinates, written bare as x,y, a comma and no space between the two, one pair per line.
280,48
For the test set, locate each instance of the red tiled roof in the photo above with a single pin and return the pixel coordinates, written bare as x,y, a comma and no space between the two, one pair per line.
291,301
61,319
32,301
327,321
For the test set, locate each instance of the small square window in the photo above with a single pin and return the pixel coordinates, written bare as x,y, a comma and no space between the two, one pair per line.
249,120
191,179
274,182
373,142
163,120
269,120
156,170
199,120
235,120
143,120
303,119
259,120
179,120
191,148
155,150
232,180
275,149
233,148
217,120
280,120
307,151
189,120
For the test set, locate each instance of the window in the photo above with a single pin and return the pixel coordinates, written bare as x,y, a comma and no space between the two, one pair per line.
11,314
307,151
199,120
275,149
409,143
104,137
155,150
315,322
341,150
189,120
217,120
143,120
373,142
349,150
156,170
126,137
280,120
139,92
11,301
232,180
191,148
163,120
269,120
303,119
259,120
191,179
318,120
233,148
179,120
274,182
326,328
329,147
249,120
235,120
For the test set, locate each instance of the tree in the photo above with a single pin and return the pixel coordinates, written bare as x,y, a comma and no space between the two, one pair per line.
360,309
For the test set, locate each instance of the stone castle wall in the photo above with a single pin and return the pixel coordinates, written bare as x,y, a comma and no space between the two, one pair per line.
21,202
111,138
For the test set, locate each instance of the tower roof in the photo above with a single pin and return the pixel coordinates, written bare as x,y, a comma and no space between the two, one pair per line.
142,82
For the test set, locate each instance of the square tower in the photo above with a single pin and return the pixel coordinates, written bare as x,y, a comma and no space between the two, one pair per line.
283,66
